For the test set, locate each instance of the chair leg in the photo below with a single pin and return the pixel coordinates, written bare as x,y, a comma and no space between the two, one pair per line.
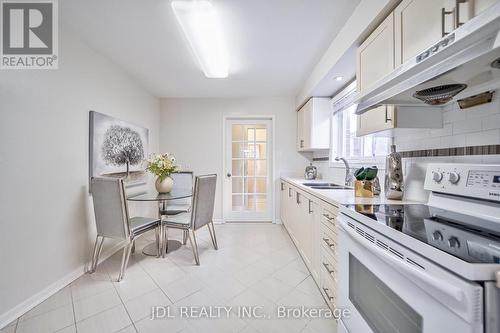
194,245
184,237
165,241
158,237
125,258
96,253
163,230
133,247
212,235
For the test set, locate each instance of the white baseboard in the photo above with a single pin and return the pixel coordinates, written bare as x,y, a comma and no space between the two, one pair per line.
23,307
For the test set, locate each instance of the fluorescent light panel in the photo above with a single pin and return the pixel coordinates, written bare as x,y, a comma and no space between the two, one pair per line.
201,27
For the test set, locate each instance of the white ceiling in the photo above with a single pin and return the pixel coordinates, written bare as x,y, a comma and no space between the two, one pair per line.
273,44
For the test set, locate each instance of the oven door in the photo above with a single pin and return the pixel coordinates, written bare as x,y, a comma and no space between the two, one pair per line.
385,294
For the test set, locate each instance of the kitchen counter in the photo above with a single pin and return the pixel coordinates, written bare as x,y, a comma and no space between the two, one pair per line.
341,196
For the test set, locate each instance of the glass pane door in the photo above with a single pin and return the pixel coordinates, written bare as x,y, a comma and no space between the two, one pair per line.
248,169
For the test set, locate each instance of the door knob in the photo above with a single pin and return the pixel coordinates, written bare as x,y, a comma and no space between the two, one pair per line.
228,175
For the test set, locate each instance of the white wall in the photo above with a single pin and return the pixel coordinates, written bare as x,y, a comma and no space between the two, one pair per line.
46,218
192,130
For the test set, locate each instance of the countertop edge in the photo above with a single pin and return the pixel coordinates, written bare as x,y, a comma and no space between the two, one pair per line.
341,197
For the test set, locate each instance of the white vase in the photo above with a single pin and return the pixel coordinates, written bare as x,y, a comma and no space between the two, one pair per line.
164,186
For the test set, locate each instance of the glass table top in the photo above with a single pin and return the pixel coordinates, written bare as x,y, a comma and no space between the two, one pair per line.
153,195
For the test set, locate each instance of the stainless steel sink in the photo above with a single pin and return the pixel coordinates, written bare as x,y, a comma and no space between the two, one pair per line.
325,186
330,187
317,184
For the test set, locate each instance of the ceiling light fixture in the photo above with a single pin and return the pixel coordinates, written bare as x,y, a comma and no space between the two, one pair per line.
338,78
201,27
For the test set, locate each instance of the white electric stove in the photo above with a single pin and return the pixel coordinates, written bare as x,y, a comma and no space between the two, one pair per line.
426,268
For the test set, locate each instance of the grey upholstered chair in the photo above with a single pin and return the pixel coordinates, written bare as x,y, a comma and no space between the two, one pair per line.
112,220
183,180
200,215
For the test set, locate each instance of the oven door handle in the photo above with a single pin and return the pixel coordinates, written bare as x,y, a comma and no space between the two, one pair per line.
438,287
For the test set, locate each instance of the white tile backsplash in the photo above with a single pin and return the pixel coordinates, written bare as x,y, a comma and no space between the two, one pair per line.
453,116
467,126
491,122
483,138
479,125
439,132
453,141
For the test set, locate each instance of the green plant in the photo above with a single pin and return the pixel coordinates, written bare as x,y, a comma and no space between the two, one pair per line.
161,165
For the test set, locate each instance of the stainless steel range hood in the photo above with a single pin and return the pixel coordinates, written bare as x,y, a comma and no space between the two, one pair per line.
463,57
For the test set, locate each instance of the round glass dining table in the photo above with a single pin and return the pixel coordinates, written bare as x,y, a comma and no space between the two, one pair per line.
162,199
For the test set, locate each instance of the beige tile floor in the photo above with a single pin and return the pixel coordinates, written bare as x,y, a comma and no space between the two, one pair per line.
256,265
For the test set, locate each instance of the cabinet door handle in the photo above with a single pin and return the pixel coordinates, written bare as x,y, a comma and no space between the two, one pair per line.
282,186
289,192
330,245
327,269
330,298
445,12
301,143
328,217
310,209
331,220
298,198
387,119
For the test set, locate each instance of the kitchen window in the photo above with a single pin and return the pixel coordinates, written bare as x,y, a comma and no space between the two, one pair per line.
345,143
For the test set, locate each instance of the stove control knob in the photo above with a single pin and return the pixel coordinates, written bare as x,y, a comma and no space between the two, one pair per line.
454,177
437,176
437,236
453,242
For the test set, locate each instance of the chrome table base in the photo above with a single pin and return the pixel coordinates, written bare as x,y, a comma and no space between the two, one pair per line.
172,245
152,248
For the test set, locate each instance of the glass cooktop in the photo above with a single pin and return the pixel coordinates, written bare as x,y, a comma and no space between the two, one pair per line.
467,237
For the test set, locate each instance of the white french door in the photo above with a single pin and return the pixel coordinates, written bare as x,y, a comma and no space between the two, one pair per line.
248,194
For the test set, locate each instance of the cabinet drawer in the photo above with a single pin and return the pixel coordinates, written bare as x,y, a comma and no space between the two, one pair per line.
328,289
328,240
328,219
329,265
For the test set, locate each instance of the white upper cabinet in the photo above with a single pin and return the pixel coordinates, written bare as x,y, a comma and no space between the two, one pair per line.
313,125
375,120
411,28
375,57
420,23
390,117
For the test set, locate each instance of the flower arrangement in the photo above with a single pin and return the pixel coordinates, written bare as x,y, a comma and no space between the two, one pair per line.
161,165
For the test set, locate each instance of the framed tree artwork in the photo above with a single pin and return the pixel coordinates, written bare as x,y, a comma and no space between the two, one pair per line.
117,149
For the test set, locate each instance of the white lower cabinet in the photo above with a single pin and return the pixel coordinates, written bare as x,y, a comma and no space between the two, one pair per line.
283,199
311,223
293,210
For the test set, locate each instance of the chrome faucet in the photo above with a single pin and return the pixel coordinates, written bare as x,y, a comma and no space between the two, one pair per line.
349,177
